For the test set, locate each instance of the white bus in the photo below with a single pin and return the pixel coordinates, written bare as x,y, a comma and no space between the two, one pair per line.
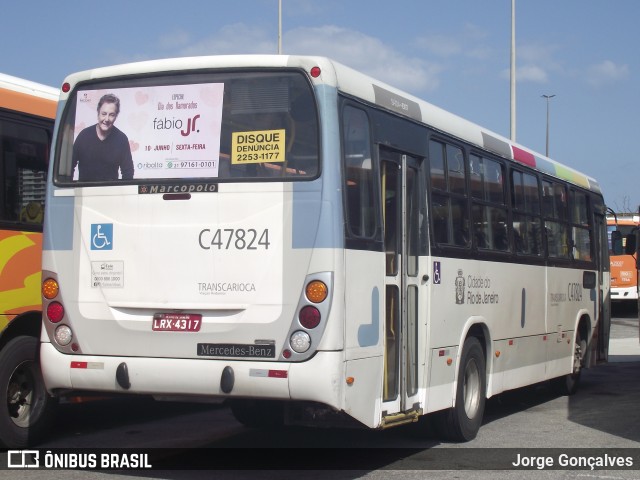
313,246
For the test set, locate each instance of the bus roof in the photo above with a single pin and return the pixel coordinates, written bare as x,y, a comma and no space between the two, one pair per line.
364,87
27,96
624,219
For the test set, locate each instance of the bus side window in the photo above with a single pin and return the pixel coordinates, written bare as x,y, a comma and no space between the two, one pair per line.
447,180
24,155
582,234
488,208
559,243
391,180
455,167
525,202
440,215
359,178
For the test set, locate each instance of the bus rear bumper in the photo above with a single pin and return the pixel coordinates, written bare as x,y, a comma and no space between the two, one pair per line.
629,293
313,380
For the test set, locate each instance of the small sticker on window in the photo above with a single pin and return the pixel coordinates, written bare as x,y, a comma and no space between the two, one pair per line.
258,147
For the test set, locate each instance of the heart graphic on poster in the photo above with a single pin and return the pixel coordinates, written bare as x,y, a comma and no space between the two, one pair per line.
211,95
133,145
141,98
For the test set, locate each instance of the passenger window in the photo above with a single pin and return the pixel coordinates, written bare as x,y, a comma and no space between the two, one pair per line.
475,176
527,232
555,206
449,198
455,167
488,211
581,233
359,178
436,159
493,178
24,154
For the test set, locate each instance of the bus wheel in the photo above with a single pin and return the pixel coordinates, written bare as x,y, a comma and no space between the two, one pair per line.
568,384
28,408
462,422
258,413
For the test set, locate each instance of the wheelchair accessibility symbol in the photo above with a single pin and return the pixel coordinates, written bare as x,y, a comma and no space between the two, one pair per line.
102,236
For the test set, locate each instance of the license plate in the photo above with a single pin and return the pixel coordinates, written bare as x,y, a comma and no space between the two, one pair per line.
176,322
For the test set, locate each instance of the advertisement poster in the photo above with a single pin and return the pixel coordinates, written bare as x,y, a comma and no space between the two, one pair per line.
173,131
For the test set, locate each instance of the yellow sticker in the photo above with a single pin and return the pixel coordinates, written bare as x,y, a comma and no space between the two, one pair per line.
258,147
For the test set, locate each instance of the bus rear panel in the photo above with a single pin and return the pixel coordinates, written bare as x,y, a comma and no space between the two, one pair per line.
207,253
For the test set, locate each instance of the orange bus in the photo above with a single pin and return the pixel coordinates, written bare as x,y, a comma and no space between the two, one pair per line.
624,275
27,113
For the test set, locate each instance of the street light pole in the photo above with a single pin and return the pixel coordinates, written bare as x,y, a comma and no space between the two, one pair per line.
513,71
279,27
548,97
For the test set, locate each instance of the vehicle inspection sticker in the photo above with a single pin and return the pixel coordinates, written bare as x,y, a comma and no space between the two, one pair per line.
107,274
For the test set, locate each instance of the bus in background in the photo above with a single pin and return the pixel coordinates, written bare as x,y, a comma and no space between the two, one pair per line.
624,275
312,245
27,114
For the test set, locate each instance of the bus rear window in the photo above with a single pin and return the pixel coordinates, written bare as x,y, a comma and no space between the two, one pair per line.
242,126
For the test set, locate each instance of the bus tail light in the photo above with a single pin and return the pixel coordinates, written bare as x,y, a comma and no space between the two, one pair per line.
309,317
300,341
50,288
316,291
56,321
55,312
63,335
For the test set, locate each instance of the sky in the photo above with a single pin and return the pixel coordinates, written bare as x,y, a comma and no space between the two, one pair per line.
452,53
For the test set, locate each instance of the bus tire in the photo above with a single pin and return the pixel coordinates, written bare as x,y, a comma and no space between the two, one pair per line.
568,384
258,413
462,422
27,410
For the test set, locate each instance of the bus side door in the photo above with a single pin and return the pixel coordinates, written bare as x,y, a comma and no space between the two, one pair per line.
403,197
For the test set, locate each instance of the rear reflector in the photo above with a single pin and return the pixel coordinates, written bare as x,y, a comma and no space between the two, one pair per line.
88,365
259,372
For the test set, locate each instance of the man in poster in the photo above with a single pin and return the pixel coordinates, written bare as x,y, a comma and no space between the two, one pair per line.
102,150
